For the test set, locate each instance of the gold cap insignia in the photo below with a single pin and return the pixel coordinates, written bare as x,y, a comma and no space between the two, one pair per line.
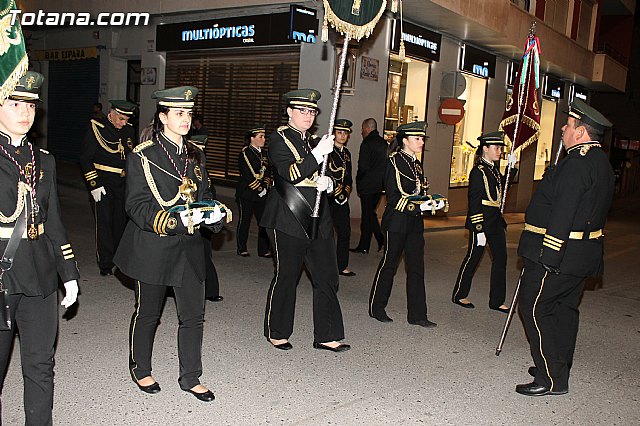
187,95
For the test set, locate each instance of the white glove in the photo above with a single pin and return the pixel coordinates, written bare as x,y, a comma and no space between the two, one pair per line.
98,193
512,159
196,215
324,147
262,193
432,205
481,239
325,183
70,293
216,216
425,206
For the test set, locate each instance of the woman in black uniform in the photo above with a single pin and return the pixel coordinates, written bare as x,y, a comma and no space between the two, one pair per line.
255,180
339,168
161,248
485,224
403,226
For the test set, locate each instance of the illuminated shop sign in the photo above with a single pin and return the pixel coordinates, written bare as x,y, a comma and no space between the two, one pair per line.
477,62
579,92
419,43
258,30
553,87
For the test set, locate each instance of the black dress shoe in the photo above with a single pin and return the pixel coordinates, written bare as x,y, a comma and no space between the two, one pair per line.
500,309
532,371
244,253
534,389
423,323
105,272
282,346
359,250
267,255
215,298
383,317
340,348
152,388
380,247
207,396
464,305
347,274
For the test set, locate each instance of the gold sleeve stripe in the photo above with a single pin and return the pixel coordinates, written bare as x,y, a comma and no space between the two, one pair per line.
476,215
156,221
71,256
163,224
553,243
552,238
338,190
348,189
66,246
66,252
297,171
544,243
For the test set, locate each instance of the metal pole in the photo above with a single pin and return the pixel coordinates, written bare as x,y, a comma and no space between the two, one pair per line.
512,310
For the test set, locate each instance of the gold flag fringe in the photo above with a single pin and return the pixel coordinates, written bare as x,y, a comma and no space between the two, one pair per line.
525,120
356,32
12,80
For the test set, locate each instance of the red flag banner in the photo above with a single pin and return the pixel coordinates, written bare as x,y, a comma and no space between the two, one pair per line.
521,119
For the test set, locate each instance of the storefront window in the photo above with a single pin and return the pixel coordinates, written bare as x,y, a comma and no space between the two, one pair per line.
466,132
545,141
407,85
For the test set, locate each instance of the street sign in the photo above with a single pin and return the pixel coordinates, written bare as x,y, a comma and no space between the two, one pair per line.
451,111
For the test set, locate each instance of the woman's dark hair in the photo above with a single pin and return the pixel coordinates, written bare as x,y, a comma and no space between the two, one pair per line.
154,128
396,144
247,138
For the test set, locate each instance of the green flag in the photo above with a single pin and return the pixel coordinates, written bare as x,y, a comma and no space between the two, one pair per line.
356,17
13,55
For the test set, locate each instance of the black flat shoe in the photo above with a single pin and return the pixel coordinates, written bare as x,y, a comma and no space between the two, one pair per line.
383,317
532,371
464,305
215,299
423,323
244,253
267,255
282,346
207,396
340,348
152,388
534,389
357,250
501,309
347,274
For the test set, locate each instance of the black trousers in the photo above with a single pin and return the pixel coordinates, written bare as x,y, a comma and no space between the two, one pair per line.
412,245
212,284
498,245
148,308
249,208
111,219
36,320
342,224
369,223
290,254
548,305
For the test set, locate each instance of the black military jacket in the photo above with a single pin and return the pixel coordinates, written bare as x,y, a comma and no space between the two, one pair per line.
403,178
485,195
36,261
339,168
255,173
568,211
105,147
156,247
291,160
371,164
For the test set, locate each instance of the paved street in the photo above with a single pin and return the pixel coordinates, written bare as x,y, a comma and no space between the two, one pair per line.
394,374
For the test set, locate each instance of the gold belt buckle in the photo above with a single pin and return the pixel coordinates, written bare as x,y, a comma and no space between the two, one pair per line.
123,173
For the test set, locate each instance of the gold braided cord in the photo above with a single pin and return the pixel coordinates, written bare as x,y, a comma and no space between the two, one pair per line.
486,188
154,188
104,143
23,188
355,31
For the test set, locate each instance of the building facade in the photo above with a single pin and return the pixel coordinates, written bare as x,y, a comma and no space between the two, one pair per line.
460,56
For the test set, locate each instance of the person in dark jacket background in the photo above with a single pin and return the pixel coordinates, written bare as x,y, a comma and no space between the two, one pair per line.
339,168
251,191
372,162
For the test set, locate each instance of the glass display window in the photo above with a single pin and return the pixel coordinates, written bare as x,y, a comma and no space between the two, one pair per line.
466,132
545,141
